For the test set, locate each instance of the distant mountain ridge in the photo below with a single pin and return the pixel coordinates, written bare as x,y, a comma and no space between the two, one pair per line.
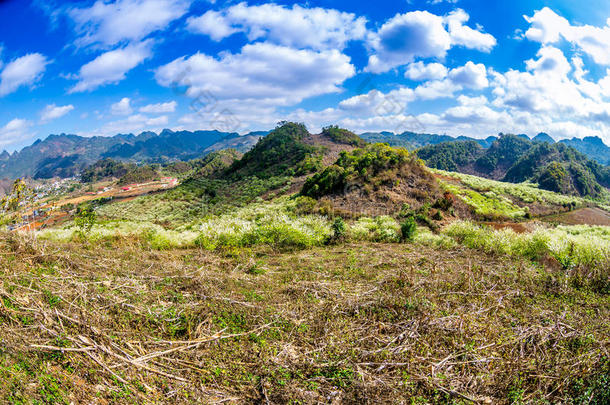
66,155
591,146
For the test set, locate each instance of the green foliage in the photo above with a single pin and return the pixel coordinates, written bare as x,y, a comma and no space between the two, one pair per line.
450,155
11,201
341,135
379,229
215,163
140,174
339,229
555,166
503,152
408,228
495,199
361,164
104,169
276,154
575,247
85,219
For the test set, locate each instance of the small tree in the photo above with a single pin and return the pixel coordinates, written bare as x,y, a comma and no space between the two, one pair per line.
338,228
85,219
11,201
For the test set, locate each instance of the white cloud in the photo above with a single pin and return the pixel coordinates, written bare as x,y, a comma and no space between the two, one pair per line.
295,26
159,108
52,112
376,103
122,107
109,23
14,131
111,67
419,71
418,34
547,27
550,61
470,76
23,71
465,36
214,24
262,72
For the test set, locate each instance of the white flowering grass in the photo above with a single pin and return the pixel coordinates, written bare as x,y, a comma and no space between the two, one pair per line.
572,246
157,236
379,229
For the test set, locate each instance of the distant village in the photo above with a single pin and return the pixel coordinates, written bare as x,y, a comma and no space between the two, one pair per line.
53,201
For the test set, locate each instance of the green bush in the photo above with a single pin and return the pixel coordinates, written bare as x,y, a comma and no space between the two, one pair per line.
408,228
338,228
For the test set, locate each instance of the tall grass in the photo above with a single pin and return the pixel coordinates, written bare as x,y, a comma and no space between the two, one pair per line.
157,236
583,248
273,224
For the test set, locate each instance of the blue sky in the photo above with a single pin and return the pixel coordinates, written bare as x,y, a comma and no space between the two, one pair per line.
460,67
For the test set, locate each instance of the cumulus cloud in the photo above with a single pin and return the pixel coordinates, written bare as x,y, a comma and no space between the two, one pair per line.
111,67
418,34
23,71
421,34
376,103
263,72
470,76
465,36
159,108
547,27
296,26
109,23
14,131
122,107
419,71
52,112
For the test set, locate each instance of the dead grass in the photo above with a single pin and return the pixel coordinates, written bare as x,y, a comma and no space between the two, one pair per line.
361,323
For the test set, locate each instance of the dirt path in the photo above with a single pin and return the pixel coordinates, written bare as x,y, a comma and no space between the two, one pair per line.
583,216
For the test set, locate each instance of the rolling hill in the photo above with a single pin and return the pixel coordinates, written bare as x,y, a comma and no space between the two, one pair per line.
556,166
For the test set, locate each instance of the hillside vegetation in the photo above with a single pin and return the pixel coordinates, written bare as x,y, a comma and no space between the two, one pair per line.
556,167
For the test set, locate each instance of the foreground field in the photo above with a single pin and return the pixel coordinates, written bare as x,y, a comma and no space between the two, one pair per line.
116,322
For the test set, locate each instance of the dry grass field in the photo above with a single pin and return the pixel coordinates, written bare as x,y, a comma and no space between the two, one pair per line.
117,322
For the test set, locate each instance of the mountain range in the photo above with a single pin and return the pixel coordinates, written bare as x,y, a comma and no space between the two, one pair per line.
66,155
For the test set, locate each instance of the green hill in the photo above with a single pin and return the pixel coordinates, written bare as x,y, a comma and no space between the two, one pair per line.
282,152
556,166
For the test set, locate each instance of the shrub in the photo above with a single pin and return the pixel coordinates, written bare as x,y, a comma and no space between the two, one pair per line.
408,229
338,228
